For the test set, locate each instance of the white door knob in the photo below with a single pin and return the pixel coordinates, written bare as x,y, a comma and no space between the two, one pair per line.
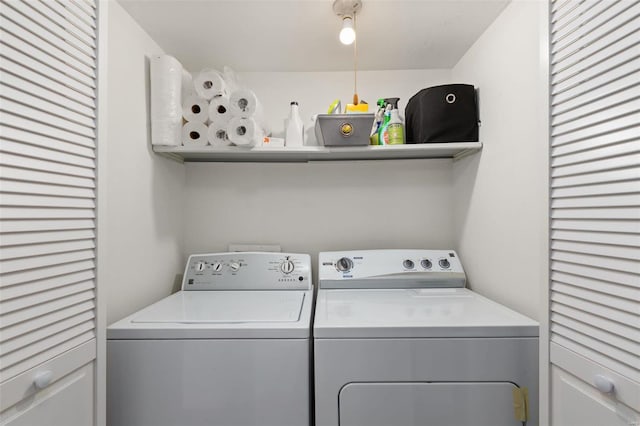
42,379
603,384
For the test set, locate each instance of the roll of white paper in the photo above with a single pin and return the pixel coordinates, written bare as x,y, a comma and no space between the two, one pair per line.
217,134
194,133
187,85
219,110
209,83
166,75
195,108
244,103
245,132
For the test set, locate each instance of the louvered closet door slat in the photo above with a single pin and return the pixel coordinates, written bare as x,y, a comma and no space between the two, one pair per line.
26,9
591,24
26,175
12,242
25,327
50,283
28,99
85,8
47,183
620,31
23,55
45,142
39,92
612,289
44,49
595,186
47,118
30,23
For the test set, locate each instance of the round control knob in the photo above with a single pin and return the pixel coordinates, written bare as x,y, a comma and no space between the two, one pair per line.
344,264
216,266
444,263
234,266
426,263
408,264
287,266
200,266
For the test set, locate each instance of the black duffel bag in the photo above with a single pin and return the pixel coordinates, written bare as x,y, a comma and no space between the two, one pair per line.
447,113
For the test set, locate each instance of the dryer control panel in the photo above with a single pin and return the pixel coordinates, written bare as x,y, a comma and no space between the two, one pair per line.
248,271
393,268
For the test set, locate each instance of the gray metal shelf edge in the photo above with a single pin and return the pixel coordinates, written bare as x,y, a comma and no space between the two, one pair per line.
453,150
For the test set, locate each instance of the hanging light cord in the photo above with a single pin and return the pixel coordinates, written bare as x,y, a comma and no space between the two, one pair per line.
355,62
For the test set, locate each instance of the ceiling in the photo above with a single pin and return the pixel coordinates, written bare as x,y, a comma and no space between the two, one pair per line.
302,35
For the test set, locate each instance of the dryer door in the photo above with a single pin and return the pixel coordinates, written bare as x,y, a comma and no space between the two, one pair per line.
428,404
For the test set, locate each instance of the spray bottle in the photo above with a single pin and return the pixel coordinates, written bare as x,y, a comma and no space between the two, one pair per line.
377,122
385,122
394,133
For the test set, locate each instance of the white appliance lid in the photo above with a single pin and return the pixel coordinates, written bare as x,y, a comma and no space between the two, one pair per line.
220,314
438,312
222,307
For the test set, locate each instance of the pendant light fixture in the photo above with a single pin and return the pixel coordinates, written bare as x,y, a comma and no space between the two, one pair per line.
347,9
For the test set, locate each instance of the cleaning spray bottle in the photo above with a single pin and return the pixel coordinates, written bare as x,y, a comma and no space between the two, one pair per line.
385,123
394,134
377,122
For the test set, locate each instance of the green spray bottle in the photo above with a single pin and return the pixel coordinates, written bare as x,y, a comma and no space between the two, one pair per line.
395,128
391,117
385,122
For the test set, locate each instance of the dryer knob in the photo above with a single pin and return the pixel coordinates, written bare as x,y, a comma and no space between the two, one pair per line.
234,266
408,264
287,266
344,264
216,266
444,263
426,263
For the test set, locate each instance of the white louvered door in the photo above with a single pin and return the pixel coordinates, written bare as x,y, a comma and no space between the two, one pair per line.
47,211
595,211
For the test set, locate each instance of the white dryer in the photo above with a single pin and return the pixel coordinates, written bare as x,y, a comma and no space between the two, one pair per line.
231,349
399,341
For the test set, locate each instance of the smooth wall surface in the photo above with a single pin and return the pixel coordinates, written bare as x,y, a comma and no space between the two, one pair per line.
142,222
320,206
501,195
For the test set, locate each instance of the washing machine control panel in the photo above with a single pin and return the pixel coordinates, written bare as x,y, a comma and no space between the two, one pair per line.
248,271
390,269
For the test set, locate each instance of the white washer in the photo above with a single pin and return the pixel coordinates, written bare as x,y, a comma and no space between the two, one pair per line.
399,341
231,349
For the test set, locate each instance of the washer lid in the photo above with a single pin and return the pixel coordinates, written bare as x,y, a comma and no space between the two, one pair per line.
437,313
220,314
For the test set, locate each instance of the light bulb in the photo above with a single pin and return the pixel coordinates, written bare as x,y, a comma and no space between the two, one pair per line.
347,33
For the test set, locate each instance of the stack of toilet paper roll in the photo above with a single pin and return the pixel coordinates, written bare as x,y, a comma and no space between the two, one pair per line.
206,109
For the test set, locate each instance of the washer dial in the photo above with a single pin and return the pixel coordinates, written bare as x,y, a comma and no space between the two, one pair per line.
426,263
344,264
408,264
287,266
444,263
234,266
216,266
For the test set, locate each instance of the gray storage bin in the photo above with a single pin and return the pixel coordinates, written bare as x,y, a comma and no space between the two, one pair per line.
344,129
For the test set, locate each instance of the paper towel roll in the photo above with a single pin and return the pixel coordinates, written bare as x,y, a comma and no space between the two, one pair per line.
244,103
166,76
194,133
195,108
209,83
187,85
245,132
217,134
219,110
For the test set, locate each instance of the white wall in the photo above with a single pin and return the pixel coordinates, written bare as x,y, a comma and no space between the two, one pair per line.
142,194
320,206
501,195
